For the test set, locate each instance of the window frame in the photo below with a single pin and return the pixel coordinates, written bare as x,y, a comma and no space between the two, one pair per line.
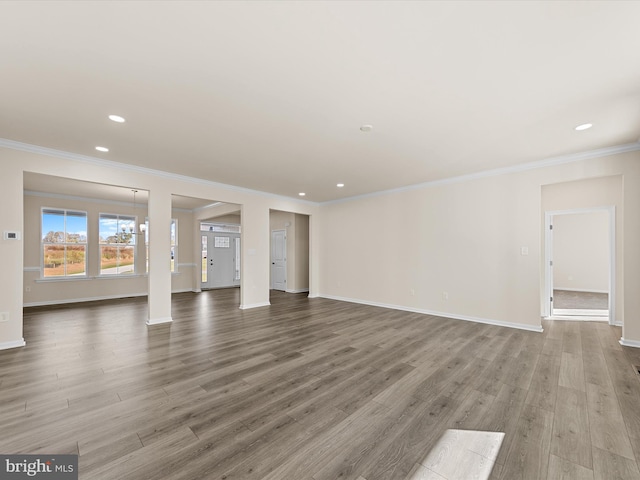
64,212
173,244
173,247
118,245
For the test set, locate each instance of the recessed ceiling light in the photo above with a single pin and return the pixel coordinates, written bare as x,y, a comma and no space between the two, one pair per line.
102,149
302,194
584,126
340,185
117,118
366,128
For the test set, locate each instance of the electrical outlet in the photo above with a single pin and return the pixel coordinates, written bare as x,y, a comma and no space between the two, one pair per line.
413,292
445,295
4,316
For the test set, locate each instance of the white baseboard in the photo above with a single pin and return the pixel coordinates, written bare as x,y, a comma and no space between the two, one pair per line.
14,344
158,321
629,343
84,299
618,323
93,299
314,295
581,290
299,290
489,321
254,305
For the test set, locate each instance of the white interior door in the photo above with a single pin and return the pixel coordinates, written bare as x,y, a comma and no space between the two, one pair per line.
279,260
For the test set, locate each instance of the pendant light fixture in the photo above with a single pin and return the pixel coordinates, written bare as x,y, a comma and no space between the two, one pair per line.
143,226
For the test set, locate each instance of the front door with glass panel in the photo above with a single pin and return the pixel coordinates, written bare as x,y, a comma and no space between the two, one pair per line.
220,259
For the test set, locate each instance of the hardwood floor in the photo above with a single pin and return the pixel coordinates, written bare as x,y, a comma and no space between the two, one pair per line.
315,389
565,299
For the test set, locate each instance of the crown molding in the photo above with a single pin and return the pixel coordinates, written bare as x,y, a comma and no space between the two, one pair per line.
549,162
75,157
552,161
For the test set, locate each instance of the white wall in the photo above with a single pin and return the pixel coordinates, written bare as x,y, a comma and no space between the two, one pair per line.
581,252
302,253
11,254
462,240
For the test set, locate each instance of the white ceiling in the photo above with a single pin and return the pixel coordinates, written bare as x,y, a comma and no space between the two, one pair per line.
271,95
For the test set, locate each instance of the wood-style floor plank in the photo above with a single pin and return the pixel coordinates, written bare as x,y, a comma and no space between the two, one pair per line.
571,439
316,389
572,371
609,466
606,425
528,455
561,469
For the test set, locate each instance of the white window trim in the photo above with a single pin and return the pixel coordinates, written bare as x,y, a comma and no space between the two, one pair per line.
42,244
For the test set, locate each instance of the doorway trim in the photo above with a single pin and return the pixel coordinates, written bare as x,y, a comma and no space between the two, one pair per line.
548,256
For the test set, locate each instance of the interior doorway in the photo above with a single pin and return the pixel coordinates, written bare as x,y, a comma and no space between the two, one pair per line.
289,251
580,264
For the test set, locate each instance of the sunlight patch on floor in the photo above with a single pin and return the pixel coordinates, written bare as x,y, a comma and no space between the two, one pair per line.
460,455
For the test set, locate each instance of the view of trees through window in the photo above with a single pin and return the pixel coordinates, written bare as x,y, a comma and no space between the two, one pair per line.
174,243
64,243
117,244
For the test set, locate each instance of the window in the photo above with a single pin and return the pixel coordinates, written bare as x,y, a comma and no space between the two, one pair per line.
64,243
219,227
117,244
238,256
205,241
174,243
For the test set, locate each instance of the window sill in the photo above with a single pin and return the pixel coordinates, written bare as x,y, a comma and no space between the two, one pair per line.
98,277
83,278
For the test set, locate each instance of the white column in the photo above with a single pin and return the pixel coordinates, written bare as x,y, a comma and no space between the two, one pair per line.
159,257
197,255
255,262
314,256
